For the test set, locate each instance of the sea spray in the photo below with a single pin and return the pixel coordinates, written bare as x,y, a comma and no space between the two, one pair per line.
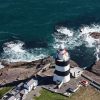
85,34
66,36
75,38
14,51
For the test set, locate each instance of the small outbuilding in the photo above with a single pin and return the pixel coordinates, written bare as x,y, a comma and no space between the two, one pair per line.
32,83
76,72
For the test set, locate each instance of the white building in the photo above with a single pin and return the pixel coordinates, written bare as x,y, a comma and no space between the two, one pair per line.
62,68
31,84
76,72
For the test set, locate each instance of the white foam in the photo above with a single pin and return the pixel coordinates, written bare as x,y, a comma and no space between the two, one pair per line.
14,52
14,47
91,28
85,34
67,37
72,38
65,31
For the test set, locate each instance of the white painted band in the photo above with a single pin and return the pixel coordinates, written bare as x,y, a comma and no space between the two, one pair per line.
62,68
63,79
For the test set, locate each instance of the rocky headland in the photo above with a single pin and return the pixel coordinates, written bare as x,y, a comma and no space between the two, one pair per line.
17,71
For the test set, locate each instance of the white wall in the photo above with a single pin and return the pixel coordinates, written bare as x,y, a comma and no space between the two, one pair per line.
62,68
61,78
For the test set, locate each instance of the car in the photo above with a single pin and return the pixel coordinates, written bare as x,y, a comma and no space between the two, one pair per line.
84,83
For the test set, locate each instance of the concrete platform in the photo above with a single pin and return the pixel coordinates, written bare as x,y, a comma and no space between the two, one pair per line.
73,83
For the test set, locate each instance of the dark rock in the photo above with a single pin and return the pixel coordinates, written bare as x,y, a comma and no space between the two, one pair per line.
95,35
27,64
0,73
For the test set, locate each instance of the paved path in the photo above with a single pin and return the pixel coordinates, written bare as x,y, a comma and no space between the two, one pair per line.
92,76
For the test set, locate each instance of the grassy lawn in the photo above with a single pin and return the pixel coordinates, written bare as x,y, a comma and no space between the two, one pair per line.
85,93
47,95
4,90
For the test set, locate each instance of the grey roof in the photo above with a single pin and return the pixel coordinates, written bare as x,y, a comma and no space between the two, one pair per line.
23,91
76,69
30,82
19,85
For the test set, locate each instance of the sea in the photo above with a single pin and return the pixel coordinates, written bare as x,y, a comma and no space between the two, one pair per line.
33,29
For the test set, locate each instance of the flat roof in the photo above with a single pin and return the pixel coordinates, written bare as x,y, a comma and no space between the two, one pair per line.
75,69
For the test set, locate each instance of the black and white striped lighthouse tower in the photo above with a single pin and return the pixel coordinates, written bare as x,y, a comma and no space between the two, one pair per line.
62,68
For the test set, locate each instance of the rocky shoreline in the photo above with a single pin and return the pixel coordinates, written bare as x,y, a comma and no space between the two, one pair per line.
17,71
20,70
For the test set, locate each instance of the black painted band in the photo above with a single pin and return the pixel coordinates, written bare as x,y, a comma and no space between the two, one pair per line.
62,63
62,73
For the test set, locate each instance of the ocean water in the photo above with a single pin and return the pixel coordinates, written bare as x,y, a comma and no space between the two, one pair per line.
33,29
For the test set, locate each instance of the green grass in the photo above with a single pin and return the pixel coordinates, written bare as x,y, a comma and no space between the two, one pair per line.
85,93
4,90
47,95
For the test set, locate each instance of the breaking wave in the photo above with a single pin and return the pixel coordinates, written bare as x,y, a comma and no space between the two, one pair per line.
85,34
14,51
66,36
72,38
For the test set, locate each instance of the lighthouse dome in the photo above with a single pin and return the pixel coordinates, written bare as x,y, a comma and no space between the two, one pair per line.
62,54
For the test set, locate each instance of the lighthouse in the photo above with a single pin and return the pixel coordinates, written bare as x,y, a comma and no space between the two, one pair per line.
62,67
